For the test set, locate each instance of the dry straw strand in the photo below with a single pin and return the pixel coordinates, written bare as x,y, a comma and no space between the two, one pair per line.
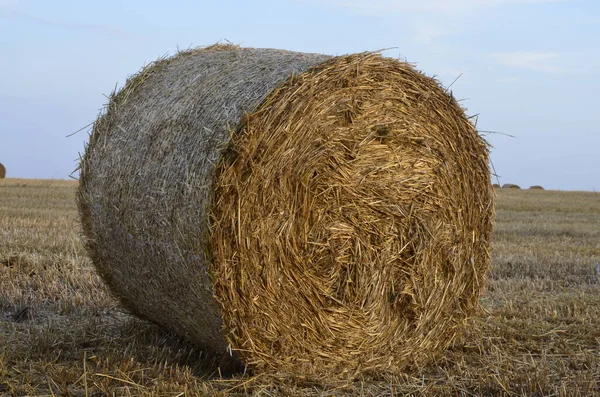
323,217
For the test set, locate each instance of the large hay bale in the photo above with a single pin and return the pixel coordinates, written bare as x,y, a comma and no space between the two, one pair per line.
304,213
2,171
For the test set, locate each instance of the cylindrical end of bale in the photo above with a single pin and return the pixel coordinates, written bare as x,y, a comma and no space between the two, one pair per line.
336,224
352,218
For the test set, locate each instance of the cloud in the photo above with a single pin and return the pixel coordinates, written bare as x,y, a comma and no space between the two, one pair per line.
427,20
7,5
12,13
385,7
538,61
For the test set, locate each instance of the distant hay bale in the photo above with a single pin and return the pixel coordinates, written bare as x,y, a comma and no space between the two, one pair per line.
2,171
510,186
300,213
496,186
536,187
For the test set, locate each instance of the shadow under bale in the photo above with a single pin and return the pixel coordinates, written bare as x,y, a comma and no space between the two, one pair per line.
297,213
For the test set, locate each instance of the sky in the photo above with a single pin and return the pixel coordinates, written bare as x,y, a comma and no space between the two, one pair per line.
529,69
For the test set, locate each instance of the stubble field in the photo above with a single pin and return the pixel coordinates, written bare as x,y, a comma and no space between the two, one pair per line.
62,334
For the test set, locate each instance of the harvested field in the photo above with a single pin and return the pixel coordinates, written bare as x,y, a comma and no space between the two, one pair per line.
62,333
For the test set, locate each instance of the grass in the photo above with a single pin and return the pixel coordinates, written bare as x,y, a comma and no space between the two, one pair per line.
61,333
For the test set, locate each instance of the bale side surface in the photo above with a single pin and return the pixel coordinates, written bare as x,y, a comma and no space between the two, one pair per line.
2,171
351,222
147,175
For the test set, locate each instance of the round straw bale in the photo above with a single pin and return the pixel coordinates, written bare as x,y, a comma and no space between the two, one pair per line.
496,186
300,213
2,171
510,186
536,187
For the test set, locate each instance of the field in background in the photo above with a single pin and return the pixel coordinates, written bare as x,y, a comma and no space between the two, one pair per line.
61,333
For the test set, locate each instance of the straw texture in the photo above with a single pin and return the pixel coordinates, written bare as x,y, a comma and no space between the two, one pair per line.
312,215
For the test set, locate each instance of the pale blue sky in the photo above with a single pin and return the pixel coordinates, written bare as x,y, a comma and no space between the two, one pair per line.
530,68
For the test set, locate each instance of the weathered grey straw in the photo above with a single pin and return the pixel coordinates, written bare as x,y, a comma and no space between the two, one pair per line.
311,215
